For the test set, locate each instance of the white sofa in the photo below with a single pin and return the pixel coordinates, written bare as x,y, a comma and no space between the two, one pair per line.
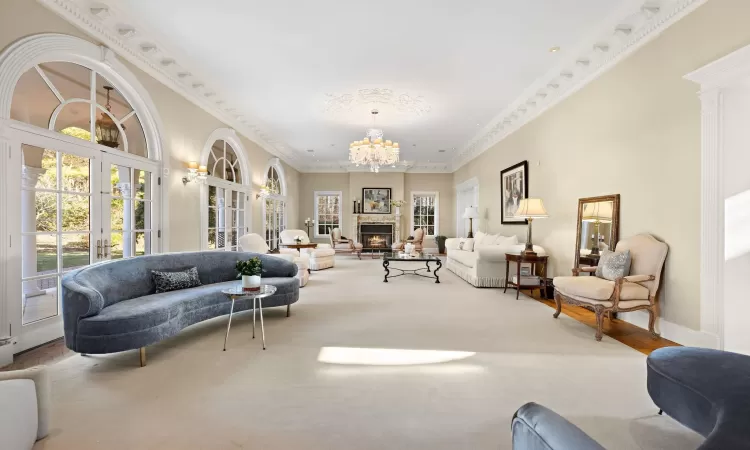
481,261
253,242
24,407
320,258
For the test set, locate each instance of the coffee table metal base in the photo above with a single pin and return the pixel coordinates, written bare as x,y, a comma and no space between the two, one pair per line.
386,266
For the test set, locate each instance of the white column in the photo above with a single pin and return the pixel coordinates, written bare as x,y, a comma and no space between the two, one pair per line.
29,177
221,222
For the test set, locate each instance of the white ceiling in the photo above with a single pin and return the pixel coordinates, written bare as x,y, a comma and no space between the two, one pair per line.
304,75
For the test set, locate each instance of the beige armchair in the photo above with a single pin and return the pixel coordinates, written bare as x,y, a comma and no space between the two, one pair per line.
418,236
253,242
26,407
321,257
633,292
341,245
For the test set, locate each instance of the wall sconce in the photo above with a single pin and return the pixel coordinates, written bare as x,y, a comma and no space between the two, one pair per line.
264,192
195,172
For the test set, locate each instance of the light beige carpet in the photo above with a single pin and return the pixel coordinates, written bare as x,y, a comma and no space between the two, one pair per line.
194,396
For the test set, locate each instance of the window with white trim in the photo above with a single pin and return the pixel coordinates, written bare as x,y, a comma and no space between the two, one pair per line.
274,207
227,198
327,212
425,212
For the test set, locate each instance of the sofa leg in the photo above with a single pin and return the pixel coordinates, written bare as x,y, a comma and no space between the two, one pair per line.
142,355
661,412
288,307
84,354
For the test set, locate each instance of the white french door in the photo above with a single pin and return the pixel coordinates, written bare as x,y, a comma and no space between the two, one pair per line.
129,188
78,204
274,220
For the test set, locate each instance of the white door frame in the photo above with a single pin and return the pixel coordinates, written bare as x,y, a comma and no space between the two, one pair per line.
715,79
468,188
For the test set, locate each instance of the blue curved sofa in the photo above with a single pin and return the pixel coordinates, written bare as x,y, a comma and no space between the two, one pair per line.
706,390
112,306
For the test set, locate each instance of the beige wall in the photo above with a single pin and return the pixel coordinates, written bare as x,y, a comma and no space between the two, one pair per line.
635,131
186,128
401,184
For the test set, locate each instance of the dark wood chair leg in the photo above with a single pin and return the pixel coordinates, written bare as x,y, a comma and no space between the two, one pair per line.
652,322
558,305
599,321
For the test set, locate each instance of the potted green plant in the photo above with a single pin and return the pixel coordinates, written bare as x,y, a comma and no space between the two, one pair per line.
440,241
250,271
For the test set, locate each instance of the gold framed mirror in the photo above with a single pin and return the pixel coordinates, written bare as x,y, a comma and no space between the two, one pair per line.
598,228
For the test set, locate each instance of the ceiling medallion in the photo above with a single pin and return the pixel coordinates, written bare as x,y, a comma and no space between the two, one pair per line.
373,151
401,102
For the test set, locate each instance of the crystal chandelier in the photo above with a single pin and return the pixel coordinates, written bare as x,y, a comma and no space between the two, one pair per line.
373,151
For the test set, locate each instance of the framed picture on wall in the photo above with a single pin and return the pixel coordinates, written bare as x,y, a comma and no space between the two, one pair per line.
376,200
514,186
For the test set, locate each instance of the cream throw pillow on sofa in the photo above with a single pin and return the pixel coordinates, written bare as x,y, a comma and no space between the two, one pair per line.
466,244
506,241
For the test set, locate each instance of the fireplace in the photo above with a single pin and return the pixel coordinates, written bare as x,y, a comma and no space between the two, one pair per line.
376,236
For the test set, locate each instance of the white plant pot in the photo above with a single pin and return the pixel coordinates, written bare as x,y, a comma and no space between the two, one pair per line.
250,281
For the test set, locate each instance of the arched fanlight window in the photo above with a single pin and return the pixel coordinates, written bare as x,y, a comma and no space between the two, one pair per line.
226,198
223,162
62,96
274,207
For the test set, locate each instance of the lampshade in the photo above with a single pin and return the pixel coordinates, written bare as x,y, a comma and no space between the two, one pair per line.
531,208
597,212
471,212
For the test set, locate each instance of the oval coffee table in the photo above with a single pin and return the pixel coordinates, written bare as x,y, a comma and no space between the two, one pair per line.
237,292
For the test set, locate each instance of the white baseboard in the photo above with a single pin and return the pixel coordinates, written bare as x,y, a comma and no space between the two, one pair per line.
668,330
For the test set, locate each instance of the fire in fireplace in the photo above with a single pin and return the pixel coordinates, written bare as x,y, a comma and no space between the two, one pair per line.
376,237
376,242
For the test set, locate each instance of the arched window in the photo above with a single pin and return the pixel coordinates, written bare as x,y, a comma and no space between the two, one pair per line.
67,96
274,207
82,171
227,194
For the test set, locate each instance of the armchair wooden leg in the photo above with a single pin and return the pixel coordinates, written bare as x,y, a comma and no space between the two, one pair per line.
558,305
652,322
599,321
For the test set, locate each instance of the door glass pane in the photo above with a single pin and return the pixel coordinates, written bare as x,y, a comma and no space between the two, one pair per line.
75,251
75,173
75,212
212,239
116,250
142,243
143,184
39,300
46,210
142,215
46,254
116,213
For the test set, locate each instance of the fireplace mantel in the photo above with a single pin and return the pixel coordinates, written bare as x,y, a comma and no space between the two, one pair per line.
394,219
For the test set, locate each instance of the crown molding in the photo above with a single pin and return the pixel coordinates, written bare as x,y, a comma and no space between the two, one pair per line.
120,34
636,26
401,167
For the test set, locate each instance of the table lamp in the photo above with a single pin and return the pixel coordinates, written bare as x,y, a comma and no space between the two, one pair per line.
471,213
530,209
598,213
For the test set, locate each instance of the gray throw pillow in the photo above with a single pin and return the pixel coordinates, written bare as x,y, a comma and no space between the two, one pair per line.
613,265
173,281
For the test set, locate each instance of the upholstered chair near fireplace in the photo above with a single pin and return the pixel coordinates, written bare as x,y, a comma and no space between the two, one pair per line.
321,257
418,237
346,246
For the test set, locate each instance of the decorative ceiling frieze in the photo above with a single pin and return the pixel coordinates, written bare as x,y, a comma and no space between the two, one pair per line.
401,102
136,44
636,28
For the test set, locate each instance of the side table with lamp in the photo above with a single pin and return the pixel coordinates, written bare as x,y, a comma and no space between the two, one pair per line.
530,209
